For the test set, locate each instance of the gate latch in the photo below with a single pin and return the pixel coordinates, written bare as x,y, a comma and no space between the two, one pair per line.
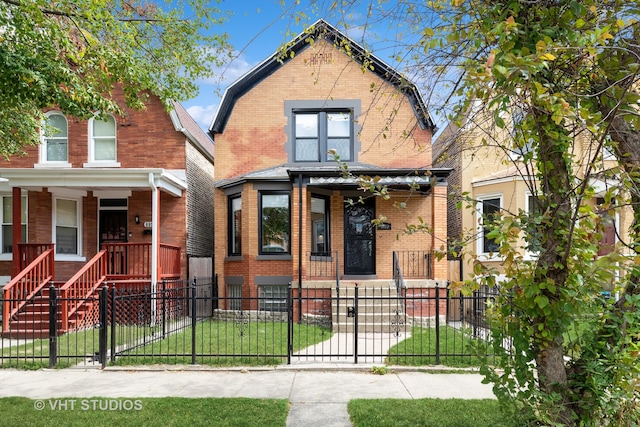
351,312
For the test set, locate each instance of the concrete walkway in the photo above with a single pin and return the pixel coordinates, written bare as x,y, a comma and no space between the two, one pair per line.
341,348
318,384
318,393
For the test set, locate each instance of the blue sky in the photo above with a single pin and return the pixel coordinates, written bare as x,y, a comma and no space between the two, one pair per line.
258,27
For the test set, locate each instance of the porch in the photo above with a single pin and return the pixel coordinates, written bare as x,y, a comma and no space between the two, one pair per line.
26,297
407,265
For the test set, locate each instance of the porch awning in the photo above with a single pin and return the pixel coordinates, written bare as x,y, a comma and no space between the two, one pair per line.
424,178
94,179
330,175
384,180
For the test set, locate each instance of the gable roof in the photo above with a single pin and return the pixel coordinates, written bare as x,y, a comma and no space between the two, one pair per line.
320,29
183,122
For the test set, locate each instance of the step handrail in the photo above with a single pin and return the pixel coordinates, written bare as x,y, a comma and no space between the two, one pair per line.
24,286
82,285
397,273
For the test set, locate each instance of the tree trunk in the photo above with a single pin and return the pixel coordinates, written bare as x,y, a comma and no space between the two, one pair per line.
556,185
552,378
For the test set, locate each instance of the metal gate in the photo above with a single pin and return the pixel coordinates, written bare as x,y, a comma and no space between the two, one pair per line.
358,325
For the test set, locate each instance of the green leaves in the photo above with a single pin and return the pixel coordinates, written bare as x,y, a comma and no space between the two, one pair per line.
71,55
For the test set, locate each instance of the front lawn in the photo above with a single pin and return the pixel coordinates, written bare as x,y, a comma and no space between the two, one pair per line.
72,348
430,413
420,349
220,343
168,411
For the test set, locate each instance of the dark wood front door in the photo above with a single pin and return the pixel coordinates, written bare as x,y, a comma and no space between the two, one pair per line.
359,238
113,229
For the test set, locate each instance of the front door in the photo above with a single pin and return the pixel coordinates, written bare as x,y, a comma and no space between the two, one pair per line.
113,229
359,238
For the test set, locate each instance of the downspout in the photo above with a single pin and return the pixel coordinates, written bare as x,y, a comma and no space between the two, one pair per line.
154,244
300,246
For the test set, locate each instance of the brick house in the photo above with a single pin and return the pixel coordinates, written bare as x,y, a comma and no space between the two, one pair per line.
497,180
282,211
126,200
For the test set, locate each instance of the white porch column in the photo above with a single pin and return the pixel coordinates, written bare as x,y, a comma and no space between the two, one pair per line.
155,239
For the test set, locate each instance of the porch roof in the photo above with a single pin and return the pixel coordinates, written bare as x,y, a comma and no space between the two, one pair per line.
94,179
330,175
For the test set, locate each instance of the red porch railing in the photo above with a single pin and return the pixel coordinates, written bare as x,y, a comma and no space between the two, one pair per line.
26,285
27,252
81,286
169,261
132,261
128,260
125,263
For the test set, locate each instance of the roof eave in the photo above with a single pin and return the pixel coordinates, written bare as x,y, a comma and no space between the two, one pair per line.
325,30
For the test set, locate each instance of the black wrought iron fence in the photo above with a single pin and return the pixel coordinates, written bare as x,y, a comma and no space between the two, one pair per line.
323,265
37,336
415,264
189,322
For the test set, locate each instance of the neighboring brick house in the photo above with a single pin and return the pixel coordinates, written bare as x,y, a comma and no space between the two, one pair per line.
494,179
281,203
138,187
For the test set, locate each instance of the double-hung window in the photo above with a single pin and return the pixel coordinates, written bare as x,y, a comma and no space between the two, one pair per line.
67,232
322,135
7,222
275,223
102,141
55,140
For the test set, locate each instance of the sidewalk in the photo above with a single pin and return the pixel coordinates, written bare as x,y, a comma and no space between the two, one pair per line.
318,393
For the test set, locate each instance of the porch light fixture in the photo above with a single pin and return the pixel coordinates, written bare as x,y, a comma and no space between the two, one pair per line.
137,219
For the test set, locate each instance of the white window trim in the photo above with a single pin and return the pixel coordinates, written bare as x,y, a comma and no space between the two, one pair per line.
43,161
8,256
485,256
92,162
76,196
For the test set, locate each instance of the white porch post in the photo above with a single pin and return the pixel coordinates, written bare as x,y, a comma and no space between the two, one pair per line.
155,238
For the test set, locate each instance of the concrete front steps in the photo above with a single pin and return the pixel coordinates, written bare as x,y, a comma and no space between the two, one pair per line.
379,308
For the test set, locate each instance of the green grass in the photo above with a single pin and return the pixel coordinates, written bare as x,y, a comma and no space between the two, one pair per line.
430,413
71,348
175,411
227,344
170,411
420,348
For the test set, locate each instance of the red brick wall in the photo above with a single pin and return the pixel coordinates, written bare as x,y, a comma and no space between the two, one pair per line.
421,302
145,139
